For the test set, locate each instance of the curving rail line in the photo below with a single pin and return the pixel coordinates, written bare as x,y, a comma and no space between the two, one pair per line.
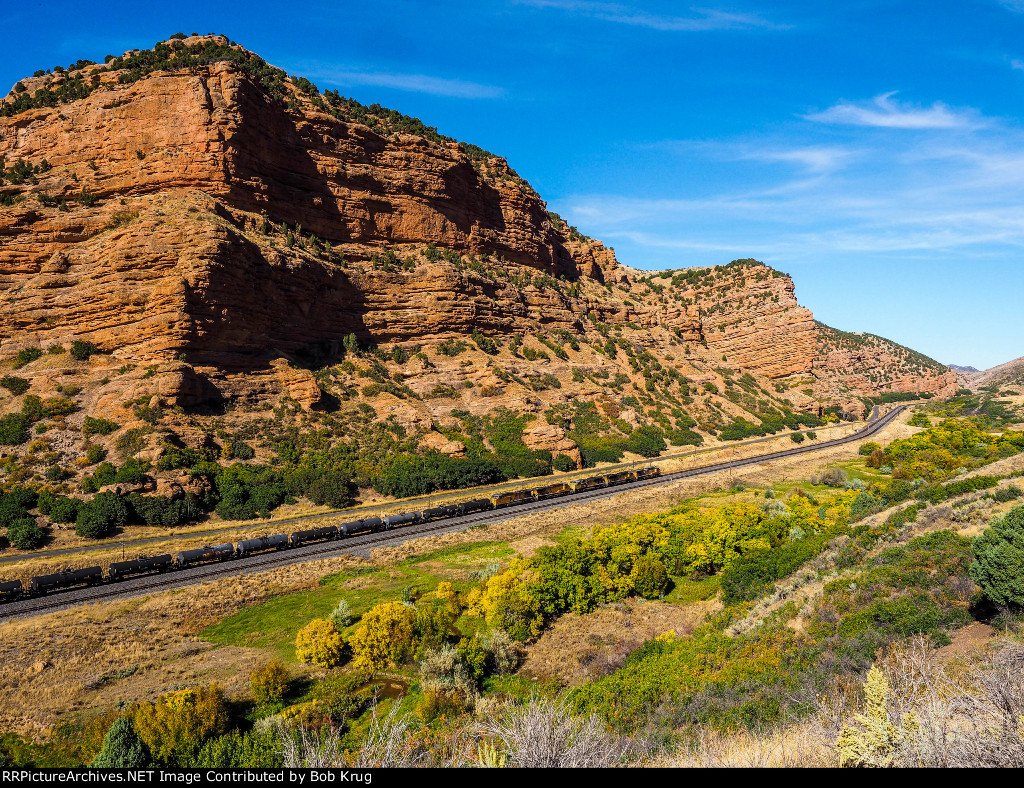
363,543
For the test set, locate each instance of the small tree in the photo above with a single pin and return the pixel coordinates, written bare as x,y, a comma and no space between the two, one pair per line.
269,682
563,462
320,643
998,565
503,653
25,534
122,748
384,636
342,614
649,577
98,517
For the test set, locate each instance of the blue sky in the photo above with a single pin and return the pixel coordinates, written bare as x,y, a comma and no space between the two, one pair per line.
873,150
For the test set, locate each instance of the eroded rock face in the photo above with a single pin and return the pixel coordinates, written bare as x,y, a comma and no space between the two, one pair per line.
550,437
850,365
187,262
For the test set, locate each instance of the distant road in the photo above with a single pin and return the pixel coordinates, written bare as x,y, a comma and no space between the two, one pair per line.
362,545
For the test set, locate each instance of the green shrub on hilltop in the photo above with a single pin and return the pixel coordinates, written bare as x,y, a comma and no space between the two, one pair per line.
13,429
14,384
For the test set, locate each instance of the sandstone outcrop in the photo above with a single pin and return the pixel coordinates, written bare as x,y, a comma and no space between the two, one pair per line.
220,246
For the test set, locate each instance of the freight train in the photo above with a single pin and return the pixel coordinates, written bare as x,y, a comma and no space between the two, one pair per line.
122,570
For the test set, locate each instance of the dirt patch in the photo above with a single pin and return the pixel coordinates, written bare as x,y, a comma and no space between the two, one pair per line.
577,649
530,545
966,641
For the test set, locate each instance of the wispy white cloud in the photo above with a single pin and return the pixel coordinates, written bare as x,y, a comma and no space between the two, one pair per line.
698,20
1017,64
414,83
937,194
885,112
1013,5
813,159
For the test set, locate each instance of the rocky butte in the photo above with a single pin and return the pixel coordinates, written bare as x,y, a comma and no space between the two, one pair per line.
232,239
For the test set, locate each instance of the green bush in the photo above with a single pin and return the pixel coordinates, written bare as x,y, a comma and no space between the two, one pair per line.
13,429
159,510
94,426
249,491
862,506
797,437
242,451
27,356
748,576
14,505
649,577
408,475
59,508
563,463
332,488
867,449
25,534
80,351
132,472
14,384
122,748
240,750
100,516
998,565
646,441
1010,493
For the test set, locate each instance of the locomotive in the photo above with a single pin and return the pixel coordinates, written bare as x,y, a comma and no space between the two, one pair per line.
122,570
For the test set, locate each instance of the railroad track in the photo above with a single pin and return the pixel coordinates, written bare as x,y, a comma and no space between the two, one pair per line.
362,544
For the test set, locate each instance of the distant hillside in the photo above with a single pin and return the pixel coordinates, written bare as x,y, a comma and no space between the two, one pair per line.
855,365
1009,374
246,261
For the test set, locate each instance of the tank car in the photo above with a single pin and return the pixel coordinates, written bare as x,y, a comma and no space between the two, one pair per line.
314,535
139,566
200,555
75,577
478,505
405,518
249,546
439,512
9,590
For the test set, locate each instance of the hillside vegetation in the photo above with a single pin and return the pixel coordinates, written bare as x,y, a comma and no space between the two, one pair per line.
816,583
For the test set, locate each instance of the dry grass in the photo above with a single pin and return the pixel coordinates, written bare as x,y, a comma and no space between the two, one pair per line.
576,649
51,667
73,649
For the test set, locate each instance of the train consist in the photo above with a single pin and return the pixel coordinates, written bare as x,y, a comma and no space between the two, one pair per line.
122,570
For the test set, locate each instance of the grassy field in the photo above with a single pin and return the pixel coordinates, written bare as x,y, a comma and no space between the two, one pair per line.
273,625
